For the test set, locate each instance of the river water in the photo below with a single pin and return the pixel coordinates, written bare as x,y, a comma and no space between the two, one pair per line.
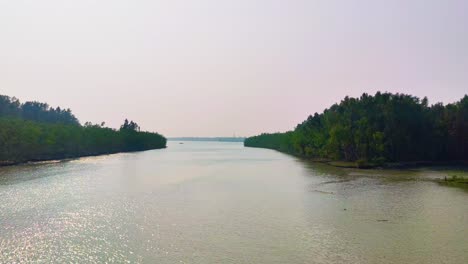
211,202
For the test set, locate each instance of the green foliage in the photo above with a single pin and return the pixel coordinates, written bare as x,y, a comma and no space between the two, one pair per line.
376,129
32,131
130,126
35,111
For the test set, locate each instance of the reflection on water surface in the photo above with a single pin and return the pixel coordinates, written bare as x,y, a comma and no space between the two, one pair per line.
212,202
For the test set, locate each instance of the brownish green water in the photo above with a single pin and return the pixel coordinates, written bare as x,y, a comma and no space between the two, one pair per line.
210,202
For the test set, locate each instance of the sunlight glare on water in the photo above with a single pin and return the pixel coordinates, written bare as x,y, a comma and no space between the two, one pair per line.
212,202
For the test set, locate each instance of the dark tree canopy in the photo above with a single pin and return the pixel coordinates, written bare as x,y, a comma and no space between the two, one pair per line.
379,128
35,111
131,126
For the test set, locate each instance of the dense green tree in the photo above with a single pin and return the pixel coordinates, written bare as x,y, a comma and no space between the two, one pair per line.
132,126
36,111
34,131
383,127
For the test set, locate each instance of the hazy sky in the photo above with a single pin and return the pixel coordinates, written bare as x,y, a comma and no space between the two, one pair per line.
215,68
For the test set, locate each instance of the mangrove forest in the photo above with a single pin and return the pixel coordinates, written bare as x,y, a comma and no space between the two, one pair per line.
377,130
34,131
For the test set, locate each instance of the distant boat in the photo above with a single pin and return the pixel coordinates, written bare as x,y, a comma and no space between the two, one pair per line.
181,142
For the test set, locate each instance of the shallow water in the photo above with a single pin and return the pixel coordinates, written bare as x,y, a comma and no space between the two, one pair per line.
211,202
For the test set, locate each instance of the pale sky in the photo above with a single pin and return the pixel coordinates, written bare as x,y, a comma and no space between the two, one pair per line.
215,67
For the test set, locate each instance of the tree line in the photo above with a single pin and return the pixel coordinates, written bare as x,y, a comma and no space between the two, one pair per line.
35,111
34,131
377,129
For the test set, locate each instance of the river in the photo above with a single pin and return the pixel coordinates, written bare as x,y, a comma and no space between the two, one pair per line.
212,202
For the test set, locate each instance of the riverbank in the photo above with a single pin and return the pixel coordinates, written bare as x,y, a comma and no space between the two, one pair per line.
23,141
33,131
373,130
362,164
456,180
393,165
66,158
451,173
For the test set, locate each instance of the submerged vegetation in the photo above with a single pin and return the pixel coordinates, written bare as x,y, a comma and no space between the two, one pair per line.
456,179
376,130
34,131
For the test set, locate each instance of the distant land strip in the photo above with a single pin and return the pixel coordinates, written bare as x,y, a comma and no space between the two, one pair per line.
219,139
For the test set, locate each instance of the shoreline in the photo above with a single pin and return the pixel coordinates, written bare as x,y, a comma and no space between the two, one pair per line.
452,179
66,158
394,165
369,165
